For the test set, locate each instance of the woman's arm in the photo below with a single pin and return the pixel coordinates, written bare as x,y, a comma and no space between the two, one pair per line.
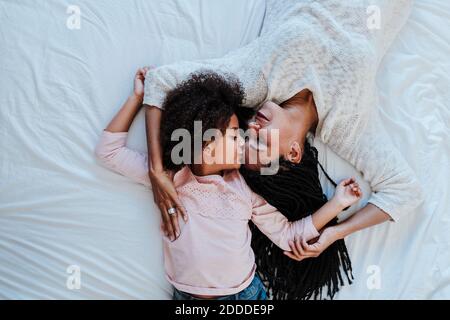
164,192
163,79
366,217
158,83
395,188
152,126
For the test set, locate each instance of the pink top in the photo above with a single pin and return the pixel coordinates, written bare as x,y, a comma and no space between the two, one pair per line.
212,255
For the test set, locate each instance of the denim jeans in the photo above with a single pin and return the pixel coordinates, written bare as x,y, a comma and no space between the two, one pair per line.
255,291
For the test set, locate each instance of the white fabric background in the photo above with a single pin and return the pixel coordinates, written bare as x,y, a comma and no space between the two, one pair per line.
60,87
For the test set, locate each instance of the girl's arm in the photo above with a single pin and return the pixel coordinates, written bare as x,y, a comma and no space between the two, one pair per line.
284,233
123,119
277,227
111,149
347,193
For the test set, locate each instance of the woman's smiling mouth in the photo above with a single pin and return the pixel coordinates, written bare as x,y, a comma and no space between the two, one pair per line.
261,118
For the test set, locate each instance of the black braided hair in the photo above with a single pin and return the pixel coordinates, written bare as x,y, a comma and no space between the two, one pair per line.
296,192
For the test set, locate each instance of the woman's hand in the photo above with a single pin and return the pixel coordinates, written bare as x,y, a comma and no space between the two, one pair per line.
302,250
139,79
347,193
166,197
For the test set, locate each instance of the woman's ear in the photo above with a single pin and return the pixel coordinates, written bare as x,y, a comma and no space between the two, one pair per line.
294,153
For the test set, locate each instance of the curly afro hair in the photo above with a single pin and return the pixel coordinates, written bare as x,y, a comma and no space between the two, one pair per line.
205,96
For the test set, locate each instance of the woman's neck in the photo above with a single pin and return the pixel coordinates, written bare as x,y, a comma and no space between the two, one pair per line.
304,111
313,116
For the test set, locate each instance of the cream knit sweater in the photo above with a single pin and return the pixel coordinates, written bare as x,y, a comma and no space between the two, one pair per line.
327,47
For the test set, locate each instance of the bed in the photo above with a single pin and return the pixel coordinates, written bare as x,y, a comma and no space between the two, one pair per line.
71,229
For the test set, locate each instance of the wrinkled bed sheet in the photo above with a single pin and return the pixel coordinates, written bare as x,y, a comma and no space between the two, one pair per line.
60,212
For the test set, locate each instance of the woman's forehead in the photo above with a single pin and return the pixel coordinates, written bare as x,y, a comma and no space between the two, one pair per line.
234,123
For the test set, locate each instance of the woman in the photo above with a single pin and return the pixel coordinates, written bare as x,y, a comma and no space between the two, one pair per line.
312,70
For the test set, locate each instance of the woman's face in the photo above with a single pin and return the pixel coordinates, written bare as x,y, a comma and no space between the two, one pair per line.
276,129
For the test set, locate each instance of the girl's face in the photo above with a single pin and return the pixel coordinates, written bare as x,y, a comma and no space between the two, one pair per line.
225,152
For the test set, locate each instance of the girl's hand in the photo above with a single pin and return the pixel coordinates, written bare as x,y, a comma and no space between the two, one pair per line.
302,250
139,79
347,193
166,197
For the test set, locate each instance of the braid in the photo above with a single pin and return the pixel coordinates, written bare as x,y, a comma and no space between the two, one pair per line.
296,192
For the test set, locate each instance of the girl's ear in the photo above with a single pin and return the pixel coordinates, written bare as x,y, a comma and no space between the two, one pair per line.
294,153
208,152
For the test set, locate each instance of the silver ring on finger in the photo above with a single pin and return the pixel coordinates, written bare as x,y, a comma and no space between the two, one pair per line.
172,211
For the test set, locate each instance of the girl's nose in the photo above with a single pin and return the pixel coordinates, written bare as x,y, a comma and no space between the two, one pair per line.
241,141
254,126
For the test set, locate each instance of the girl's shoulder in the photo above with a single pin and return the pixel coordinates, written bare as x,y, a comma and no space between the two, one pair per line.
182,177
238,180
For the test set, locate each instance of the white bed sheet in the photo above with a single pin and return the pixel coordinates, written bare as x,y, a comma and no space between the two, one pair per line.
411,257
60,87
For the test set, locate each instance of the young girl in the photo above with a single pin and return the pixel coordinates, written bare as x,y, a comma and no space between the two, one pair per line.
212,257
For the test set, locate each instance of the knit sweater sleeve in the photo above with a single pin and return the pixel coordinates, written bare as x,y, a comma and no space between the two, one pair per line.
240,64
395,187
161,80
